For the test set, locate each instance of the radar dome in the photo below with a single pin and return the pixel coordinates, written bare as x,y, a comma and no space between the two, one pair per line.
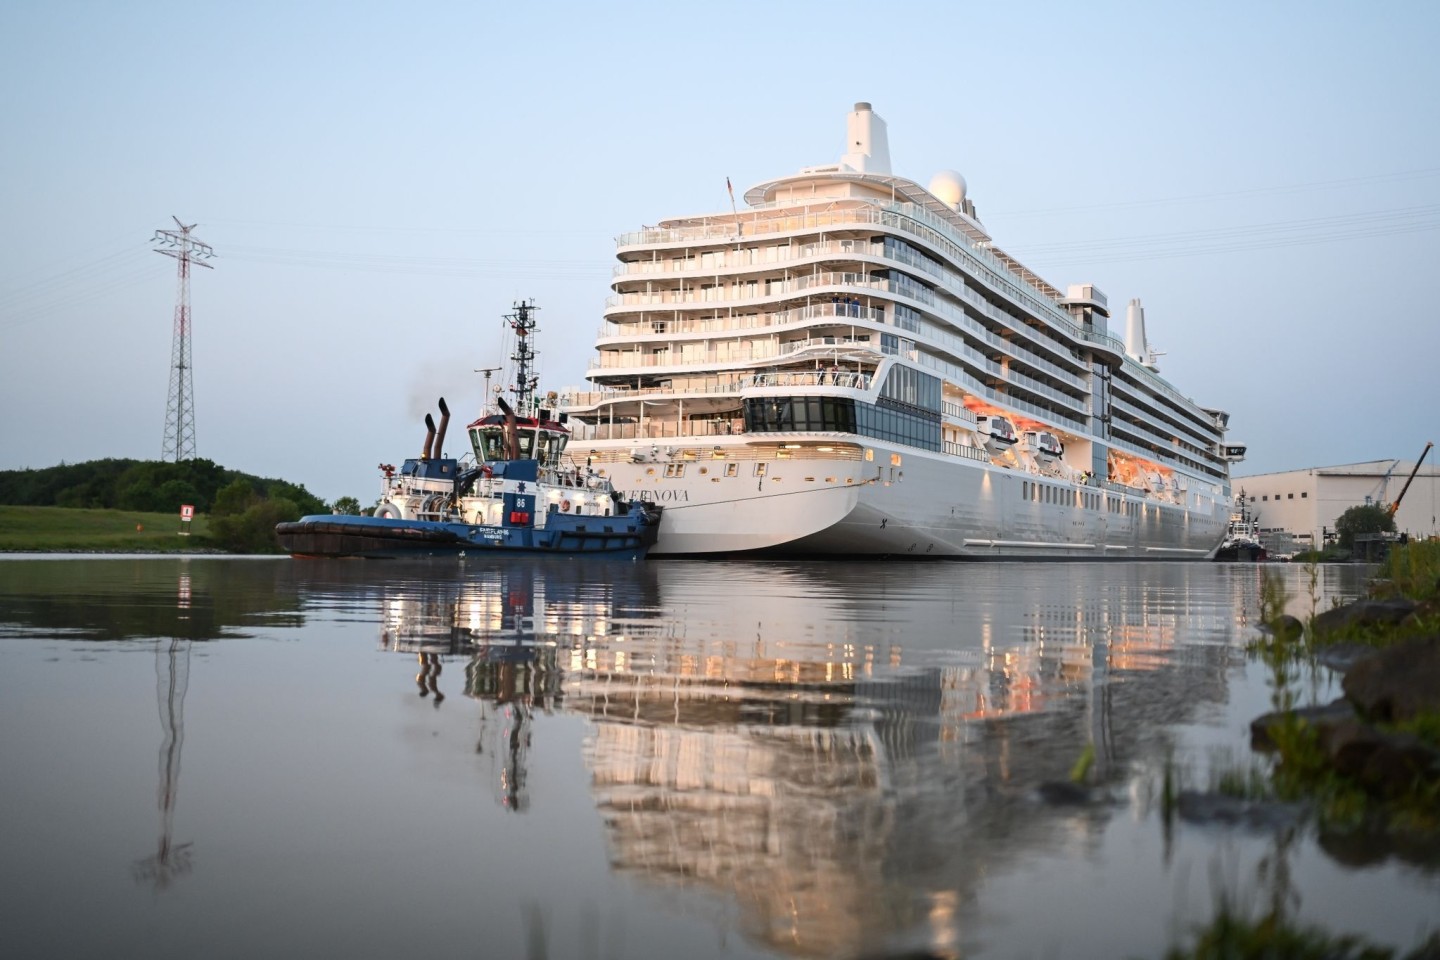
949,188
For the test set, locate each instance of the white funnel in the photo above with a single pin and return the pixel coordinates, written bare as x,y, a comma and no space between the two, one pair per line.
867,149
1135,343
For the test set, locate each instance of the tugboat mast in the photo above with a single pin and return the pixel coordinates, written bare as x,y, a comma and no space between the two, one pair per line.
523,322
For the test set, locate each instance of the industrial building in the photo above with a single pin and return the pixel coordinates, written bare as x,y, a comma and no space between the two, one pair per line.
1297,509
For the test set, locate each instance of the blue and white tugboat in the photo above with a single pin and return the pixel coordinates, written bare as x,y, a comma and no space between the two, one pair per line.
1242,543
516,492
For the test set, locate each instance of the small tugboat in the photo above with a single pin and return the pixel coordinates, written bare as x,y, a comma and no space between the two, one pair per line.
1242,538
517,492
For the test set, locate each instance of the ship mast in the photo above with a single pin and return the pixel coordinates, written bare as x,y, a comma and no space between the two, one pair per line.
522,321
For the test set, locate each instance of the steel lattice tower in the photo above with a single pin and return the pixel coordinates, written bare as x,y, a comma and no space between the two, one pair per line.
179,441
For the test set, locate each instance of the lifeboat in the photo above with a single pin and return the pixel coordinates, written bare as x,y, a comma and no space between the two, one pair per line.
1046,445
996,433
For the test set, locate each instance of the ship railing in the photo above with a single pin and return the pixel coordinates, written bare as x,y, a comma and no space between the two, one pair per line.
575,398
1190,407
794,285
1194,436
1075,419
840,306
805,378
1164,445
750,351
725,258
904,216
956,412
963,450
657,429
700,448
646,326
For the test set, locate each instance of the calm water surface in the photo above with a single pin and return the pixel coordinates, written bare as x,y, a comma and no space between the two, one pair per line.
257,757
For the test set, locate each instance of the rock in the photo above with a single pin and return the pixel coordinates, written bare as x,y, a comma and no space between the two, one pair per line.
1381,762
1321,717
1064,793
1340,657
1284,627
1363,613
1390,764
1398,682
1196,807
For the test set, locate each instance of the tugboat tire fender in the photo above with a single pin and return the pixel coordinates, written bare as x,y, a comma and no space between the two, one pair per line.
388,509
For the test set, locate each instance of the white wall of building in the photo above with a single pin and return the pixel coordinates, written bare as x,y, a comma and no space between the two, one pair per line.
1307,502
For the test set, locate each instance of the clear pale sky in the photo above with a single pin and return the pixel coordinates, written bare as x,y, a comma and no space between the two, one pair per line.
381,181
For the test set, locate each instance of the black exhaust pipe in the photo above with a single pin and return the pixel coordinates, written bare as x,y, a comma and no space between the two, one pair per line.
429,436
511,433
440,434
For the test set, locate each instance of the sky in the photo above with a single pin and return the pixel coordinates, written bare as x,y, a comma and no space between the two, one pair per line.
381,182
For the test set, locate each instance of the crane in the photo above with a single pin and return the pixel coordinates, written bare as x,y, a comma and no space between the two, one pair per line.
1396,505
1377,496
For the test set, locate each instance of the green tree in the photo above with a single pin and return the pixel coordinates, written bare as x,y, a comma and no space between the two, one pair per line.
234,498
296,494
1362,519
349,506
253,529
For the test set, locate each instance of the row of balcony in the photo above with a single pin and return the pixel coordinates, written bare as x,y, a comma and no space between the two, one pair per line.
921,222
845,379
950,280
728,258
838,284
1171,445
1201,430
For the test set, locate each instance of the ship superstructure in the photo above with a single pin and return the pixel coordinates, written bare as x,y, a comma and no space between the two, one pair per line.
849,365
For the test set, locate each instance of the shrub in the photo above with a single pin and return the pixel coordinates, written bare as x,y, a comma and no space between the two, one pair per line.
252,530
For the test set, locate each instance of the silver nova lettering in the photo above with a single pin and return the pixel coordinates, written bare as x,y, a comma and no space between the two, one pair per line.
658,496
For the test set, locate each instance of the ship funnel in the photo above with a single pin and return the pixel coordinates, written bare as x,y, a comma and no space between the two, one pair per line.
511,431
867,146
1135,343
440,433
429,436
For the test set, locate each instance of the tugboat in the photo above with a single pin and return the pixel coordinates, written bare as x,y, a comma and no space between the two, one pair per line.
1242,537
516,492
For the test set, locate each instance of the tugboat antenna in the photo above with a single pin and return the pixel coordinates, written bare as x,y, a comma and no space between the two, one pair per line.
485,399
523,323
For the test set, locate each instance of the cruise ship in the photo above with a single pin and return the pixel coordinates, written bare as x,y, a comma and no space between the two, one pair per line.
848,365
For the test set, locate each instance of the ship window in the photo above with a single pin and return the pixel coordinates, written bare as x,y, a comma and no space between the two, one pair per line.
674,469
732,469
1290,496
760,469
1303,495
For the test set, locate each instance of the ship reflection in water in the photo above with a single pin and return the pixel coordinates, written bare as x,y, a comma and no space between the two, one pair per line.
844,750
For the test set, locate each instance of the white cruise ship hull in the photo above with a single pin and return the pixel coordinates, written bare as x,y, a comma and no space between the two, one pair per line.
933,506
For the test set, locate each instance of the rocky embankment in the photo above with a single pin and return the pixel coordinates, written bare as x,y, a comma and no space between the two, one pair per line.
1384,686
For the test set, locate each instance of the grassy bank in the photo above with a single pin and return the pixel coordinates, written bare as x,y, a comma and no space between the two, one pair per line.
62,529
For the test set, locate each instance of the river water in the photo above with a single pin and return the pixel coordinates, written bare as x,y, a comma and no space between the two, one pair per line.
228,757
